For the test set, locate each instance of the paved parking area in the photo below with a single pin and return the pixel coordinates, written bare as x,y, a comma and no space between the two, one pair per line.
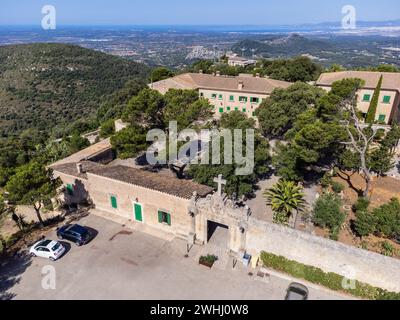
125,264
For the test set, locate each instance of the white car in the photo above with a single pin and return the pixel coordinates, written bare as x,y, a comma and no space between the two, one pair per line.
49,249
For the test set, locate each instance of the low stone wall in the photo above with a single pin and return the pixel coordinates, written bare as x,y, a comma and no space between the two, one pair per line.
330,256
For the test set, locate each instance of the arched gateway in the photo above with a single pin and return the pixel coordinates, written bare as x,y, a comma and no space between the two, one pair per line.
220,210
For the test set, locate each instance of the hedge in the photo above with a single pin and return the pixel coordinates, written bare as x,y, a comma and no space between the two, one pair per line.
374,103
330,280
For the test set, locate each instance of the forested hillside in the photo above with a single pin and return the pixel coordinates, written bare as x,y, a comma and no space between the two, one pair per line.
50,86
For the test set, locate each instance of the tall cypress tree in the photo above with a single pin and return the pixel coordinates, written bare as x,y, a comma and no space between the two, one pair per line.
374,103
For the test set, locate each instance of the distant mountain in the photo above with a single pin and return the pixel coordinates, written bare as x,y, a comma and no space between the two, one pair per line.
45,85
286,46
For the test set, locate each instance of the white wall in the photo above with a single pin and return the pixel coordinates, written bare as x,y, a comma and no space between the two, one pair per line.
330,256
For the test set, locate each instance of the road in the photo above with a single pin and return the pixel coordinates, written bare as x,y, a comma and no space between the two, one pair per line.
125,264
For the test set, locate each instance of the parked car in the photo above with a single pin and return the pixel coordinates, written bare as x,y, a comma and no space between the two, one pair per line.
49,249
75,233
296,291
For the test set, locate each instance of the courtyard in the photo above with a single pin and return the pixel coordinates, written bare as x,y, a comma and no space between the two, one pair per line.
122,263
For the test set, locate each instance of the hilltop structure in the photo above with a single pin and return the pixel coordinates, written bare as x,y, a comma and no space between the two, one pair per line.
172,208
243,93
236,61
387,110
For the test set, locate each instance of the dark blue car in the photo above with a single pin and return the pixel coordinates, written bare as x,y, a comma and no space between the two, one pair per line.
75,233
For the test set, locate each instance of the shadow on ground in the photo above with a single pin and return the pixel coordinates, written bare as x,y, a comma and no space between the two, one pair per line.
11,269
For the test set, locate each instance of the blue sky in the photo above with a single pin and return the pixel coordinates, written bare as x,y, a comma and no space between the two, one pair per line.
194,12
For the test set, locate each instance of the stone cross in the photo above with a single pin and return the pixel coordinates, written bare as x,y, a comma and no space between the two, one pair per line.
220,182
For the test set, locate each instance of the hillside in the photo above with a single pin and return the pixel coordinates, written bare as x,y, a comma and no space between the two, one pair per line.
47,85
282,46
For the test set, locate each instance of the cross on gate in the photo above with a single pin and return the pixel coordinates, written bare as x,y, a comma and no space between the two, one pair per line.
220,182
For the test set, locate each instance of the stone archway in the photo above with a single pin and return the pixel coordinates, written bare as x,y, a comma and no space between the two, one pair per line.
221,211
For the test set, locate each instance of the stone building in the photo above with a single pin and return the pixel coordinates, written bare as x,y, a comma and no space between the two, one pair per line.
160,205
388,110
243,93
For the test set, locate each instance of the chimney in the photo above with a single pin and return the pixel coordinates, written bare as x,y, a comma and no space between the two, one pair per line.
79,168
201,71
240,85
257,75
218,73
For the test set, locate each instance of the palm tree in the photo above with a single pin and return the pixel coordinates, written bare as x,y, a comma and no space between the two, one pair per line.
285,197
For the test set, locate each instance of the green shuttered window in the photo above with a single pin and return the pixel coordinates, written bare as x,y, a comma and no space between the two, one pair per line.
386,99
367,97
164,217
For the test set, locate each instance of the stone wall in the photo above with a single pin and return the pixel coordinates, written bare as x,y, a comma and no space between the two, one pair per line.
101,189
330,256
80,189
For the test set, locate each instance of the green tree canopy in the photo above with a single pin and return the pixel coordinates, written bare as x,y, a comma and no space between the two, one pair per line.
146,109
277,114
161,73
388,219
185,107
34,185
327,213
296,69
130,141
236,184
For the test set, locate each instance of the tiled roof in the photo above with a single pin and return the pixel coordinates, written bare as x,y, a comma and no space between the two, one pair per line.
72,170
391,80
225,83
86,153
153,181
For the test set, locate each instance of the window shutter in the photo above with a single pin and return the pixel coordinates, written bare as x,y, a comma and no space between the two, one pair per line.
114,202
159,216
168,219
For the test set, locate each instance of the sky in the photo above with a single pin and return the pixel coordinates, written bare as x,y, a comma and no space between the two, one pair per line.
194,12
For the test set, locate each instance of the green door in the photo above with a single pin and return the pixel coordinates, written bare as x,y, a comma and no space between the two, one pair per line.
138,212
114,204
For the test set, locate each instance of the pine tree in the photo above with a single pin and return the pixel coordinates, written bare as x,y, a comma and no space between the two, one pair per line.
374,103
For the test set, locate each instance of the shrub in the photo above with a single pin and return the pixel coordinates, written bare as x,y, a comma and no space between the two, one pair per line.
365,223
388,219
330,280
362,204
328,214
387,249
209,259
326,180
107,128
337,187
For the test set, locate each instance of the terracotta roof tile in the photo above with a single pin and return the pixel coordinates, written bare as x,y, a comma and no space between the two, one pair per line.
72,170
391,80
153,181
226,83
